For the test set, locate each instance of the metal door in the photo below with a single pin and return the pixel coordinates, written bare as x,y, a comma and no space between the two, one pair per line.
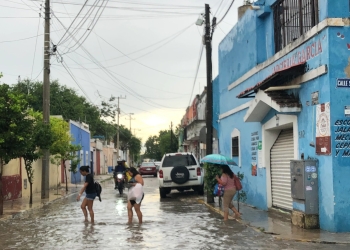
281,154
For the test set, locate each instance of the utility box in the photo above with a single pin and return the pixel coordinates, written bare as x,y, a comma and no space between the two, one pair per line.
304,185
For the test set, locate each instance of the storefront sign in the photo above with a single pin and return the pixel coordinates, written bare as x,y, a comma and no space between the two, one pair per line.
342,138
343,83
347,111
300,56
254,147
323,129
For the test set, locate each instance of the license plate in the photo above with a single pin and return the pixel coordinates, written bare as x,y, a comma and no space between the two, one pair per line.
167,183
148,169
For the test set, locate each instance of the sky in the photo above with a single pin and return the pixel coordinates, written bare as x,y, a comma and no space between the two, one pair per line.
144,51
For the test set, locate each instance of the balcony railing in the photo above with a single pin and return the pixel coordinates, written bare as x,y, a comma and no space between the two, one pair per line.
292,19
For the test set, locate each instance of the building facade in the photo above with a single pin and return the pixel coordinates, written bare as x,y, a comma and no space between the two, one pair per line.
81,136
283,94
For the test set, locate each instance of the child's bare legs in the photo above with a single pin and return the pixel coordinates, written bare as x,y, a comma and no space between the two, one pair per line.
129,207
83,207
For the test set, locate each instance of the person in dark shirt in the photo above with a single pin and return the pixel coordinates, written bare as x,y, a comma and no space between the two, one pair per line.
89,188
120,168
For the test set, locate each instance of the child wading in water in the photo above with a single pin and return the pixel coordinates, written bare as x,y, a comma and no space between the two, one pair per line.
89,188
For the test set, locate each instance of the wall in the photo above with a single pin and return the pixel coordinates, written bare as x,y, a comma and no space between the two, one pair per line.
81,136
11,180
327,47
340,68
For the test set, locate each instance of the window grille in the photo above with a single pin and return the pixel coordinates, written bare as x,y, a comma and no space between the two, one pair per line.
235,147
292,19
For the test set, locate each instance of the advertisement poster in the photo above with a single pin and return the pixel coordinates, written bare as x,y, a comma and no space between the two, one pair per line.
254,147
323,129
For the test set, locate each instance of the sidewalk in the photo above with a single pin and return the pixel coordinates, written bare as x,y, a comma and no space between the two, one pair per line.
17,207
279,225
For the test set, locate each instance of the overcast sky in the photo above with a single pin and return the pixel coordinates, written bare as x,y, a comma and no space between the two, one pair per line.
146,50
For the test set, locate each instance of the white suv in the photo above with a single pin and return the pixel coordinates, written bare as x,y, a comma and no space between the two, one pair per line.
180,171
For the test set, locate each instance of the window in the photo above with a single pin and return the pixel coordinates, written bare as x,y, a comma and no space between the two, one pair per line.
292,19
235,146
179,160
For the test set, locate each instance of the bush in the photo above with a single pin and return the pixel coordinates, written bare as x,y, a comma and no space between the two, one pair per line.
211,171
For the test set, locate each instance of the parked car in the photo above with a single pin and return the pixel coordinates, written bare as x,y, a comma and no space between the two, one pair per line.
180,171
157,164
148,168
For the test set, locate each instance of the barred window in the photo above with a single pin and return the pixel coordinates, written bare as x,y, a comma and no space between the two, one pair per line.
235,147
292,19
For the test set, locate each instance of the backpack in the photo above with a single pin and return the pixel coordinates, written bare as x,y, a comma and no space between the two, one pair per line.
98,188
238,183
219,190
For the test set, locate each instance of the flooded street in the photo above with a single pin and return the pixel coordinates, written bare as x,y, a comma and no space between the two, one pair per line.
177,222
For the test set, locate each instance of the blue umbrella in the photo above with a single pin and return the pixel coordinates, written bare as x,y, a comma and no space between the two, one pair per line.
218,159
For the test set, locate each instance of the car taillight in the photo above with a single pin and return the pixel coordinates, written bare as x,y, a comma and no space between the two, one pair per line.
160,173
198,171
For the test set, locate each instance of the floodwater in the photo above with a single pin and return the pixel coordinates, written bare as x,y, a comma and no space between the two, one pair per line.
177,222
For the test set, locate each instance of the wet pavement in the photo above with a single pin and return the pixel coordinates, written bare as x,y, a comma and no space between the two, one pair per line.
177,222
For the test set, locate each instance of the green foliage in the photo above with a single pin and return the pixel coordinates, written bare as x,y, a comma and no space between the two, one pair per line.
157,146
211,171
15,124
241,195
152,148
64,101
15,128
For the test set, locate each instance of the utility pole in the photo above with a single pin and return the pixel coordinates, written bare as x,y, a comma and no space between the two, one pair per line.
118,111
45,184
130,114
130,158
209,108
171,135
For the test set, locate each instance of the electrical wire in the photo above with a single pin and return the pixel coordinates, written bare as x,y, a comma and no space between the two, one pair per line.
90,28
217,23
82,21
36,42
197,70
120,83
73,21
72,76
140,62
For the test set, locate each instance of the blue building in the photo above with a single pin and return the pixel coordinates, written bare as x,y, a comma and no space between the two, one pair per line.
81,136
283,93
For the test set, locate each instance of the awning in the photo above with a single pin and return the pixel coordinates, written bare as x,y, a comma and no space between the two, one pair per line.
278,78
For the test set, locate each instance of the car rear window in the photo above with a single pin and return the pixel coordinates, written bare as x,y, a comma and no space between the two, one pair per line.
147,164
178,160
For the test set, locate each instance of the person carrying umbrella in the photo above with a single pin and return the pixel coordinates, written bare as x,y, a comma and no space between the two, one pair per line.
227,180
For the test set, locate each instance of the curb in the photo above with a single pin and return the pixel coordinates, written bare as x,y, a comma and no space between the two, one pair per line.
22,212
257,229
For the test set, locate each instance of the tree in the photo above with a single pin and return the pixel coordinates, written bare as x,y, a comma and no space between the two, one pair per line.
38,138
152,148
64,101
62,149
15,124
135,148
168,142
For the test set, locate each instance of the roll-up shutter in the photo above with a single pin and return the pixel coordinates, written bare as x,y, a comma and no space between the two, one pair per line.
281,154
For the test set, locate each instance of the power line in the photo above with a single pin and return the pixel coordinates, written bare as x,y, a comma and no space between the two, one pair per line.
123,85
140,62
36,42
73,21
225,13
195,77
91,27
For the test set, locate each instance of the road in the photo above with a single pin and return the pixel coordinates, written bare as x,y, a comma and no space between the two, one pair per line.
177,222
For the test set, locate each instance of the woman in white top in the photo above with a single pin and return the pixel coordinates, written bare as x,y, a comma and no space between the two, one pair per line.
135,195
